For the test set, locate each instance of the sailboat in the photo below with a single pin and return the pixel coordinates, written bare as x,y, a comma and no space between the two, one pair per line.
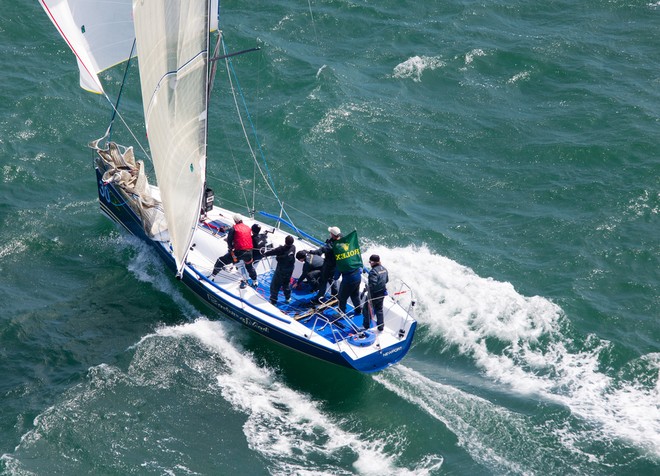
178,217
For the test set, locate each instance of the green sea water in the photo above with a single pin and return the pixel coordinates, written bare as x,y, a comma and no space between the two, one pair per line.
501,157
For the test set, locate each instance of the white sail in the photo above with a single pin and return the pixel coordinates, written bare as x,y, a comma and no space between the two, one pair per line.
172,36
99,32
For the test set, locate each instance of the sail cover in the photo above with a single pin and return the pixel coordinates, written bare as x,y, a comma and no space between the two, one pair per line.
172,39
99,32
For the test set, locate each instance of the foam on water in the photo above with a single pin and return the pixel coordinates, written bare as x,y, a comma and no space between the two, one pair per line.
148,268
413,67
518,77
517,341
286,426
522,342
473,420
477,52
336,118
16,246
527,344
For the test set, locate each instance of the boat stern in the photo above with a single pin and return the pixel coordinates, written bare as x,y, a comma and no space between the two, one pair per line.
387,350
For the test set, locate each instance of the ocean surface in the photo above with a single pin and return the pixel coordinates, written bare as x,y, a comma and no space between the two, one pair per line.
502,157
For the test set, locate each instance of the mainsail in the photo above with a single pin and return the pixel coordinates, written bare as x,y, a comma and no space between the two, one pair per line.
173,37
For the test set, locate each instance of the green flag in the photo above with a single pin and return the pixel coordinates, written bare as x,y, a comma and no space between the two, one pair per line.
347,252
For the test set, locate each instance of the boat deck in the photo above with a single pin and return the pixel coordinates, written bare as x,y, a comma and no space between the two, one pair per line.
324,319
322,322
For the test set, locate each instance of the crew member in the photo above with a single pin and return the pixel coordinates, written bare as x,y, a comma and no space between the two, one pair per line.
286,259
239,242
378,279
311,272
329,265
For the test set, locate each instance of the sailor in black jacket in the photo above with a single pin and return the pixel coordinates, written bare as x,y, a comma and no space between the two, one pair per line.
377,291
286,260
259,242
329,266
311,272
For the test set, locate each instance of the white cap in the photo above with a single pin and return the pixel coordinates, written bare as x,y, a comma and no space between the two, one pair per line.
238,218
334,231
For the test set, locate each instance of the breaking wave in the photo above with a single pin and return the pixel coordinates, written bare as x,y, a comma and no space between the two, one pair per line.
528,345
413,67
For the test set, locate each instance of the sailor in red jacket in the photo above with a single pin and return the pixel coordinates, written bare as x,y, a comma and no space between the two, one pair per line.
239,242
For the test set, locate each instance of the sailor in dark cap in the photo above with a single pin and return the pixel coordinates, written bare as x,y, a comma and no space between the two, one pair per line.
328,273
259,242
377,291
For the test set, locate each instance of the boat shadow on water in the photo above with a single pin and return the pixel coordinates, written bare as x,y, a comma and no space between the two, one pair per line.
323,380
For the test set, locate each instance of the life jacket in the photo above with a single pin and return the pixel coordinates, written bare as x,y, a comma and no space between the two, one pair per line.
242,237
378,279
313,262
259,241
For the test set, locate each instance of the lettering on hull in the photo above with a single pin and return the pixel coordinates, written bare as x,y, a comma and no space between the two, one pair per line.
259,327
392,351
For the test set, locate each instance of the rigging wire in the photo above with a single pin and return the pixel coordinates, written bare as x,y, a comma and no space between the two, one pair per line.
254,168
115,108
235,86
121,89
238,174
214,65
230,72
212,73
265,175
261,196
255,129
128,128
309,4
